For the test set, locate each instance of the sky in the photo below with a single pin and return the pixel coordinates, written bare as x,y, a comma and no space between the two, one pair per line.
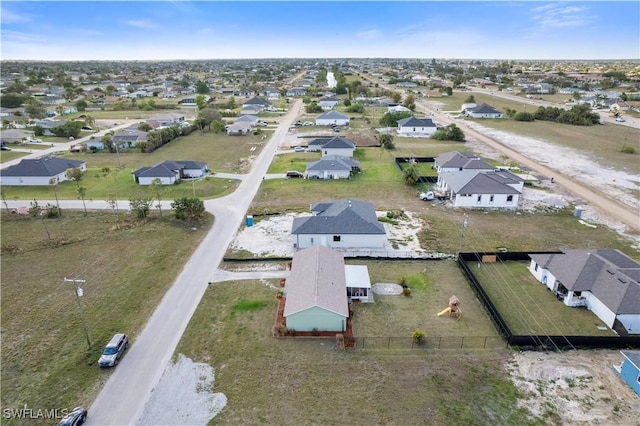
150,30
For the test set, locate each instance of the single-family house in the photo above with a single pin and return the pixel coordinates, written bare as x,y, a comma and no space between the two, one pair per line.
251,109
14,135
238,128
332,117
316,292
483,111
328,102
265,104
605,281
457,161
49,125
336,145
332,167
416,127
339,224
168,119
129,137
297,92
249,119
170,172
629,369
39,171
482,188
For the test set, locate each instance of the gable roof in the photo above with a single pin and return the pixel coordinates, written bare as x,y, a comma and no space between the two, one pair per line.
246,119
317,279
46,166
416,122
257,101
332,115
482,182
464,160
168,168
329,99
339,142
339,217
610,275
333,163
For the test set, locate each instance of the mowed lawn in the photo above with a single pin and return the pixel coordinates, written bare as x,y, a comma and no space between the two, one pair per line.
107,174
128,266
308,381
528,307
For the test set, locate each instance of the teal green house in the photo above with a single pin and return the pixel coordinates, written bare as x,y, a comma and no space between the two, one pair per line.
316,291
629,370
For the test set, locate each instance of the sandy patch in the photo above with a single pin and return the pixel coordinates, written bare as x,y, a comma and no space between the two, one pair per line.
575,387
387,288
183,396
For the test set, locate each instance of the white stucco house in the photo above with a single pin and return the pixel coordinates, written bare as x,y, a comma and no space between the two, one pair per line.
332,167
328,102
483,111
496,189
416,127
605,281
332,117
336,145
170,172
339,224
39,171
458,161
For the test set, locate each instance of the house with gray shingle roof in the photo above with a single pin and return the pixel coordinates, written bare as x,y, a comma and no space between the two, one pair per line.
39,171
328,102
170,172
499,189
458,161
332,117
259,102
332,167
336,145
339,224
416,127
483,111
316,291
605,281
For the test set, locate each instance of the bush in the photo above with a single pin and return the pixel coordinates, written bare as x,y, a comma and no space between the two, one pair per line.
418,337
628,149
406,291
523,116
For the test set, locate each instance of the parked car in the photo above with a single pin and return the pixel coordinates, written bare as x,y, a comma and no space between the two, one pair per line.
4,147
34,140
299,149
75,417
294,174
427,196
307,123
87,128
114,350
336,129
262,124
620,119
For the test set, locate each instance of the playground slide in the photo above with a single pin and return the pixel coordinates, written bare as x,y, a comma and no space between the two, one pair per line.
444,311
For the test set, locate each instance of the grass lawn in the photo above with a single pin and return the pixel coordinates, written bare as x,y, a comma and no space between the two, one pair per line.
282,381
528,307
45,362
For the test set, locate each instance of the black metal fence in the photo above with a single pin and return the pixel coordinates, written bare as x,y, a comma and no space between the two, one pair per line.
448,342
421,179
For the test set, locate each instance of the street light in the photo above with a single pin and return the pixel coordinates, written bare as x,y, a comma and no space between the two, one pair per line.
78,291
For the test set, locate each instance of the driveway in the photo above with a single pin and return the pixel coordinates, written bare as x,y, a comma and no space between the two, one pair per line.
123,397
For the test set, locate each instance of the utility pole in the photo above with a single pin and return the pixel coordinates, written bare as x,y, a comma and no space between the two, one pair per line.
78,291
465,222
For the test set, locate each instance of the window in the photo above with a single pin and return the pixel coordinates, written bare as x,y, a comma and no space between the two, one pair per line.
479,200
311,240
491,199
535,268
509,199
336,238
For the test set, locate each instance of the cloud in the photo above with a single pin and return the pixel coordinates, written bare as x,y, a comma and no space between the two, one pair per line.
10,17
552,16
20,37
140,23
369,35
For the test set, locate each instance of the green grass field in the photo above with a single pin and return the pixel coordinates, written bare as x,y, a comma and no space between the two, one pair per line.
128,266
528,307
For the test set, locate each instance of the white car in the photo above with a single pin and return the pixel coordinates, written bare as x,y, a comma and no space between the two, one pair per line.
34,140
262,124
299,149
307,123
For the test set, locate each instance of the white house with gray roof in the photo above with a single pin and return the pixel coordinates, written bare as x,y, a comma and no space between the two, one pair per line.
483,111
332,167
416,127
458,161
336,145
328,102
170,172
332,117
339,224
39,171
316,291
605,281
482,189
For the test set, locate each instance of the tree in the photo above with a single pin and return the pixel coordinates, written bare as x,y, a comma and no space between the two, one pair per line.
449,133
38,130
89,120
313,107
81,104
156,185
140,205
524,116
201,102
70,128
410,173
470,100
202,87
34,211
3,195
82,194
386,140
12,100
410,102
188,208
448,90
113,203
396,97
145,127
74,174
206,116
54,184
391,119
109,90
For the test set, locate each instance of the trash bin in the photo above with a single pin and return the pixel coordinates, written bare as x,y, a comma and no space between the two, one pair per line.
249,220
577,212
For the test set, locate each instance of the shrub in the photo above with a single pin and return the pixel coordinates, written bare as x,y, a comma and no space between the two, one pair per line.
628,149
418,337
406,291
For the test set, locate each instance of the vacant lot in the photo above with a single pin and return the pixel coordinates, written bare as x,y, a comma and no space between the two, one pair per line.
280,381
529,308
127,266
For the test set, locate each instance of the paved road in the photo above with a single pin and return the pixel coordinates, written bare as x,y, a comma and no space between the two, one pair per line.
122,399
